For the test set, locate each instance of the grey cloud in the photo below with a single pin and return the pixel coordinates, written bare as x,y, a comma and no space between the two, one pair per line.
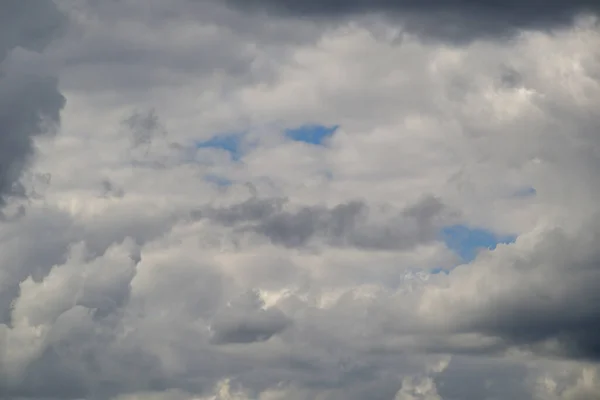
118,224
545,301
250,210
442,19
571,382
343,225
34,243
113,341
31,24
14,216
110,190
30,102
143,127
117,340
475,378
86,336
84,359
245,321
30,247
144,44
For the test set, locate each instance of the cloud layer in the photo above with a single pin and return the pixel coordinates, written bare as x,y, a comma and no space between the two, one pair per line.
137,263
442,19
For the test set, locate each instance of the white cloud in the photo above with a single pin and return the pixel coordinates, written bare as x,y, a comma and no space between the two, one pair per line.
127,275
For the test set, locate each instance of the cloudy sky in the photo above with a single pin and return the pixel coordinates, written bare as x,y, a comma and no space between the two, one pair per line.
285,200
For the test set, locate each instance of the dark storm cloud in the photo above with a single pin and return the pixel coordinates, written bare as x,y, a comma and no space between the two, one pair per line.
446,19
551,304
537,322
30,102
343,225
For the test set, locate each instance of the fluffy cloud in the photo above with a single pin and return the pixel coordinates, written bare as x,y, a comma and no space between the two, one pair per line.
139,264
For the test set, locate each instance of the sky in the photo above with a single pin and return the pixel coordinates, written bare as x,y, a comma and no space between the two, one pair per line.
318,200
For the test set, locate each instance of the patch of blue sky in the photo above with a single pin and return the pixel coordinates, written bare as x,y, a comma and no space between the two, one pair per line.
230,143
439,270
312,134
467,242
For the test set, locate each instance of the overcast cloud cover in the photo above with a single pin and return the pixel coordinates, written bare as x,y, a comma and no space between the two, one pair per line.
163,236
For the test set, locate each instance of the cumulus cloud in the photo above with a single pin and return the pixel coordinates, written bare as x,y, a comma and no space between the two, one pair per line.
29,95
309,272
